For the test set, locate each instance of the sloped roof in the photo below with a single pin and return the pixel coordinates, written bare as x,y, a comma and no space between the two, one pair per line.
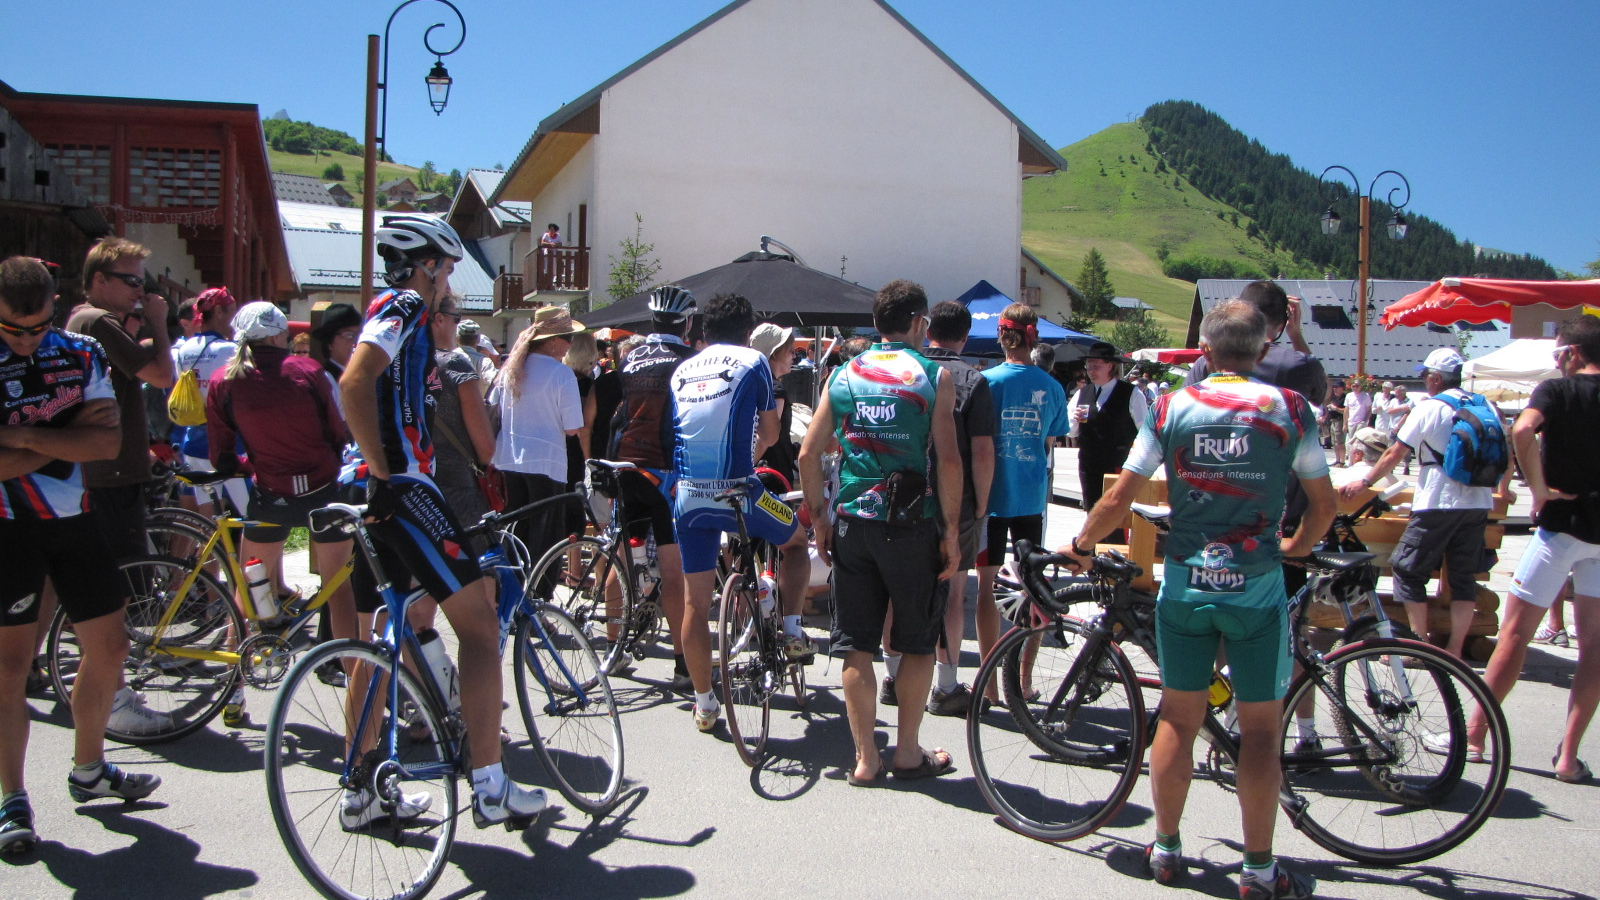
1033,150
328,258
1072,289
1331,332
394,181
508,213
300,189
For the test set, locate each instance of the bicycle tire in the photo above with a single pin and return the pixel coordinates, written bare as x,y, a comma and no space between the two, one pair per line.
182,515
1061,766
307,769
1382,797
569,710
189,692
580,592
747,680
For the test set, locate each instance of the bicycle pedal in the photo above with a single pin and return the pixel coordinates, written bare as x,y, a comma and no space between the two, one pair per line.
519,823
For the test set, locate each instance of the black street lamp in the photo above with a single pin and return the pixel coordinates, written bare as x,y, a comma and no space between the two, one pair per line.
1397,226
438,81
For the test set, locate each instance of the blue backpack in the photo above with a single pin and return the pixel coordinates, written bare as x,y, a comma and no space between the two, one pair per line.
1475,453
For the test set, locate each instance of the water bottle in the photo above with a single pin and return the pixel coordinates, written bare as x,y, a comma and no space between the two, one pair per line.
767,593
640,554
444,671
261,593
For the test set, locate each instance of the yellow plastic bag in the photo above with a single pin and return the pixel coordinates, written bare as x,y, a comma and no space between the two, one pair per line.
185,406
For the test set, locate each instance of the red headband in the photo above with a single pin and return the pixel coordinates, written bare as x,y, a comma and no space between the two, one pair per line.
1030,331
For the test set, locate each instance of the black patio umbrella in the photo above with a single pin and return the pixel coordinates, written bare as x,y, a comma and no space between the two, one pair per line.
781,290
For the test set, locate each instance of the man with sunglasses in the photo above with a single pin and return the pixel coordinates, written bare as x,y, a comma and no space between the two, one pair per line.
113,284
57,410
1290,365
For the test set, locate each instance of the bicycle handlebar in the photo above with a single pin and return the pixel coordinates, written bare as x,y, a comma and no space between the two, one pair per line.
1112,566
494,520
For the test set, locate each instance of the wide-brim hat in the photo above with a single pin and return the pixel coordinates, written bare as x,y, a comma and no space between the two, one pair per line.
768,337
1373,438
335,319
554,321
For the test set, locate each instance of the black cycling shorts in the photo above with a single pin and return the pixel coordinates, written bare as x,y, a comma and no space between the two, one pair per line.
648,507
73,554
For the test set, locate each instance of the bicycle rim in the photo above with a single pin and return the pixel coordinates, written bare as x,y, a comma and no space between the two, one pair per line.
185,694
746,678
575,576
307,769
179,538
1384,797
569,710
1058,766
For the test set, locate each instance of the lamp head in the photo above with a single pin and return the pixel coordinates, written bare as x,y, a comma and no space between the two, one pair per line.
1398,226
1330,222
438,87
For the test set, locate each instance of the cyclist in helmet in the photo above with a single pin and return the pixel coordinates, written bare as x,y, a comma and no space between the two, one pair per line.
384,390
642,435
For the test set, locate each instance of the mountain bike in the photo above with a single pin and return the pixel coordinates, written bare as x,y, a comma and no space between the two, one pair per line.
1386,781
324,740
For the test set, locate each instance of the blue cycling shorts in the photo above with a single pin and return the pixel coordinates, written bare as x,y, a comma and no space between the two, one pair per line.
702,520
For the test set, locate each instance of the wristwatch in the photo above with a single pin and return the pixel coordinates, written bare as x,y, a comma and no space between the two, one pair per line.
1079,550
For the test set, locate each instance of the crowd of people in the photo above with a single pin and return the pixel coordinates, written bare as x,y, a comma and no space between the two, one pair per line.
916,468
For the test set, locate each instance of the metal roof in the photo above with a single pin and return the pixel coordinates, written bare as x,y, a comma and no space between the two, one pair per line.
569,111
301,189
325,259
1330,328
1130,303
508,213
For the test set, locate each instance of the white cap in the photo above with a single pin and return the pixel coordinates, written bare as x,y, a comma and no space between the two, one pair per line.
258,321
1443,359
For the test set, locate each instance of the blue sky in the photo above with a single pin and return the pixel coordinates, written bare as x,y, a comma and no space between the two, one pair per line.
1492,110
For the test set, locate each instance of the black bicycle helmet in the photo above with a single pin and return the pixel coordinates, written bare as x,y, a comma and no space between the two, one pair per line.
405,238
672,303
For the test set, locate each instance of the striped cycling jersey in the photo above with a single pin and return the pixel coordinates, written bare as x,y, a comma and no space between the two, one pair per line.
397,324
1230,445
718,397
45,390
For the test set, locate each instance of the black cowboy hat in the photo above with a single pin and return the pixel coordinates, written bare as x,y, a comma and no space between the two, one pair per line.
1103,350
335,318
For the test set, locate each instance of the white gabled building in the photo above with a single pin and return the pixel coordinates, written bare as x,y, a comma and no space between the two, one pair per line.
832,125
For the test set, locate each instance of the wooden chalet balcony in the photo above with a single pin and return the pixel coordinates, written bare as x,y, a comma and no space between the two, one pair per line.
548,270
507,290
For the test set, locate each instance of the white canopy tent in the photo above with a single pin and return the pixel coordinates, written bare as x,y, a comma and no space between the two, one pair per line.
1512,372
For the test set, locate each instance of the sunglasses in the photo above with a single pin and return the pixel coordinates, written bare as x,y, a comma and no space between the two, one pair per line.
133,281
26,330
450,315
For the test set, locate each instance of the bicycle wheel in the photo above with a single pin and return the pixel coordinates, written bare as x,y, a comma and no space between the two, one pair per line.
184,692
1366,629
585,579
747,680
569,710
1059,762
1396,786
359,826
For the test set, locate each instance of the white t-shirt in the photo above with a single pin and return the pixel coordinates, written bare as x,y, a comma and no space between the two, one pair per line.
1358,407
534,425
1427,430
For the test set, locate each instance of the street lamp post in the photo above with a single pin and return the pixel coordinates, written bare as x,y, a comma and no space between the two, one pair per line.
1397,229
438,82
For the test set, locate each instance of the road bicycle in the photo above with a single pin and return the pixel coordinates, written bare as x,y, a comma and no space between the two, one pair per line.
752,652
325,740
1386,780
193,639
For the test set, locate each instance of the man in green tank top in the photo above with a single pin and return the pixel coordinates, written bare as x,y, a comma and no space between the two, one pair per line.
886,408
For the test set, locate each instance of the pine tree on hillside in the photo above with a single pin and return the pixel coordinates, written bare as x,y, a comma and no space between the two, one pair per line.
1094,282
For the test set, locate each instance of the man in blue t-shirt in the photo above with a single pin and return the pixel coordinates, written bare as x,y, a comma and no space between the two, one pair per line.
725,416
1229,445
1031,412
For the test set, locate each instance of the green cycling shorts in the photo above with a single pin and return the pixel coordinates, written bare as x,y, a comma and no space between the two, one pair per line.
1253,623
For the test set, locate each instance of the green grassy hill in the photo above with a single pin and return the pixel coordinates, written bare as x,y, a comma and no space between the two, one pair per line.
1115,197
307,164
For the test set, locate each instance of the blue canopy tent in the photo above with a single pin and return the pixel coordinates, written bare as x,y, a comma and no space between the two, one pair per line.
986,303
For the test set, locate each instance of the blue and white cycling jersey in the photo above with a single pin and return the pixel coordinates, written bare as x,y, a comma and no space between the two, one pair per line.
719,395
397,324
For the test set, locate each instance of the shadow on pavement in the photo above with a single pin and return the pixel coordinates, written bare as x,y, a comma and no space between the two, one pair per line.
160,864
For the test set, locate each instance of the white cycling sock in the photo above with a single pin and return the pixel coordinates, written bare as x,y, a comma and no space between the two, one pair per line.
891,664
706,702
489,780
946,675
1305,726
791,626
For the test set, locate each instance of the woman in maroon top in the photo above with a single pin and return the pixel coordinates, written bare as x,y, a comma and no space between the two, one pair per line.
281,408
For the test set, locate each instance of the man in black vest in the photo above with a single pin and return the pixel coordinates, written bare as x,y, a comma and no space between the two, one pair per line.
1106,416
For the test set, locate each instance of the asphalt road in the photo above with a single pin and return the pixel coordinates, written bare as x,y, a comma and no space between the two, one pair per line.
698,821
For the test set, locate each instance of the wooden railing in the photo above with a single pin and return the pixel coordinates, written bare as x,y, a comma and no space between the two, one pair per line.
507,291
557,269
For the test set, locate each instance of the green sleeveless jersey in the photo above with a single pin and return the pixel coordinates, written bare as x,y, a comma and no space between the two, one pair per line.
882,401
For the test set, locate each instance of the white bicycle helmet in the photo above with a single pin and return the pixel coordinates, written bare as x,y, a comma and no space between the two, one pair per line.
404,238
672,302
